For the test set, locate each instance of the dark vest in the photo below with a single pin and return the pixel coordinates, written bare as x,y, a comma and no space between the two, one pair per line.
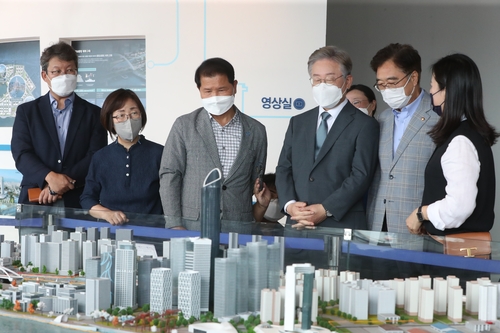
483,215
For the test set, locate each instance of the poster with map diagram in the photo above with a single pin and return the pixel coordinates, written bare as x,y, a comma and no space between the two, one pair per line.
19,77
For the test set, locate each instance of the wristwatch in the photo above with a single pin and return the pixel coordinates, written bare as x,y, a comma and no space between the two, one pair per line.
420,216
327,213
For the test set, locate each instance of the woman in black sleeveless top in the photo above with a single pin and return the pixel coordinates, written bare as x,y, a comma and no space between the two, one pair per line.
459,192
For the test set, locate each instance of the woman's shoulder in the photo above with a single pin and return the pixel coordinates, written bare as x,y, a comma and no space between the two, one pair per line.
152,145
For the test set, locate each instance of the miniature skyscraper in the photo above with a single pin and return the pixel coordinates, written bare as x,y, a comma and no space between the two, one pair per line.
125,275
161,289
190,293
225,287
197,258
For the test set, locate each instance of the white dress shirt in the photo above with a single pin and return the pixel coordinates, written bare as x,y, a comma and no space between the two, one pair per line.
461,168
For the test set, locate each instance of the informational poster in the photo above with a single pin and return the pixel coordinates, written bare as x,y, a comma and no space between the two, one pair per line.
9,190
19,70
107,65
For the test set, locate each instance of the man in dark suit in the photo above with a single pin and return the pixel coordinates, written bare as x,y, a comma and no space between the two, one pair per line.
55,136
330,152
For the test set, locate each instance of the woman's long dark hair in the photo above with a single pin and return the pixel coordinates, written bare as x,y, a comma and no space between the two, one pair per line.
459,76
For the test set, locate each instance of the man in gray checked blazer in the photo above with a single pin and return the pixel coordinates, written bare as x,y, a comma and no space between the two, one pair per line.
405,147
216,135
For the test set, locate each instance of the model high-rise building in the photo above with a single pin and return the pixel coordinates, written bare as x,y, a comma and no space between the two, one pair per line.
225,285
89,250
161,290
93,267
472,297
7,249
79,237
48,255
273,266
241,257
358,302
97,294
105,233
411,296
144,267
455,304
124,234
177,264
58,236
440,295
69,253
198,259
290,297
92,234
28,248
270,306
101,243
257,272
426,305
108,266
487,310
189,293
125,275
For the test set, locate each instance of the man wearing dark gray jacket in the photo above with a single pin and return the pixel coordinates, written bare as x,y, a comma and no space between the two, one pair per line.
217,135
330,152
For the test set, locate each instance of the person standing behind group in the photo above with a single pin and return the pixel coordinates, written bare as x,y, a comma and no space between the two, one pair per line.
405,146
55,136
329,153
123,176
459,192
363,98
217,135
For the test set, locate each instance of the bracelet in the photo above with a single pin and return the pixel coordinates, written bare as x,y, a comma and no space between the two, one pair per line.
52,192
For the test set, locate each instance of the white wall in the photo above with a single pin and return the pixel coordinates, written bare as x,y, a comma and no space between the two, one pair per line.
268,43
435,28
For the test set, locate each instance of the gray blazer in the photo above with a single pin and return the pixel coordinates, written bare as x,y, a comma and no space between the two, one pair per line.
399,182
190,153
342,172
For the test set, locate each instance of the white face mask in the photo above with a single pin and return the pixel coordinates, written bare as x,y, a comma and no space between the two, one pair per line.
327,96
218,105
365,110
63,85
273,211
129,129
396,97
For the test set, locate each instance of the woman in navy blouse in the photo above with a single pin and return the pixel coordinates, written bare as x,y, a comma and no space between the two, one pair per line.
123,176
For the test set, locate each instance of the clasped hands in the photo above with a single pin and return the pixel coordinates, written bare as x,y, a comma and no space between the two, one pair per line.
305,215
57,183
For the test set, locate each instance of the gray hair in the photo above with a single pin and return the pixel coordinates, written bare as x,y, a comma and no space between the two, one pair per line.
333,53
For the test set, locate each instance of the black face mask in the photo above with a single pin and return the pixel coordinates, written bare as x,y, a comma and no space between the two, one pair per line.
436,108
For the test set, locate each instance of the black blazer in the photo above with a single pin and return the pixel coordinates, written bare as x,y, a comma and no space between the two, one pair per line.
342,172
35,145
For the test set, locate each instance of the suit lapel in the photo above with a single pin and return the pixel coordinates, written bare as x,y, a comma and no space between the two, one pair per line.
246,138
204,128
76,117
343,120
48,120
419,118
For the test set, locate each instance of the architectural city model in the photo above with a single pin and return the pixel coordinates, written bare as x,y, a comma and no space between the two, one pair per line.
247,281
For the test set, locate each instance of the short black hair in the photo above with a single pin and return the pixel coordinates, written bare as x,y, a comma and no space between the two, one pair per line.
60,50
367,91
213,66
115,101
404,56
